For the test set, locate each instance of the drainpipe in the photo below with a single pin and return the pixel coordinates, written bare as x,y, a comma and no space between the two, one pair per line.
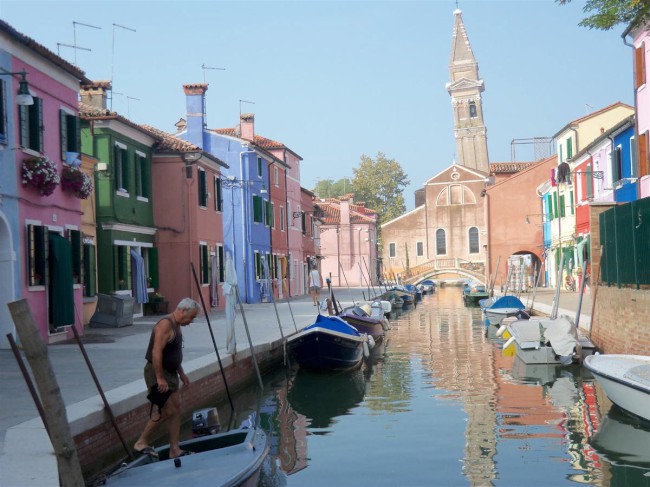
244,227
268,170
286,226
636,110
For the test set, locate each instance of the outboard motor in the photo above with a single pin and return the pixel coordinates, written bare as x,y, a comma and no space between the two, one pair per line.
205,422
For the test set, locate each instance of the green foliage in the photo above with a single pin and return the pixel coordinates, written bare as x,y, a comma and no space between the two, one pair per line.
379,183
605,14
328,188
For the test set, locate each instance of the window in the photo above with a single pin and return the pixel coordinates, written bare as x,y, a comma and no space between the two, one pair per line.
273,215
203,188
141,175
276,176
303,222
561,206
590,182
282,218
419,249
569,148
3,112
472,110
276,266
572,202
312,226
152,267
441,242
633,160
122,267
258,215
259,166
70,133
268,214
258,265
473,241
644,164
204,258
74,236
221,262
31,125
121,168
639,66
456,192
36,255
90,270
391,250
617,164
218,202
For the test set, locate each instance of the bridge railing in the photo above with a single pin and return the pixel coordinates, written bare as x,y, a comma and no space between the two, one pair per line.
474,267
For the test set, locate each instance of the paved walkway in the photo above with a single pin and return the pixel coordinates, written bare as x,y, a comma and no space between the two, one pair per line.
117,355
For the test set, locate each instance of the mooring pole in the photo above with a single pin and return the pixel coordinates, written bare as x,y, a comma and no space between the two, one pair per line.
214,342
248,334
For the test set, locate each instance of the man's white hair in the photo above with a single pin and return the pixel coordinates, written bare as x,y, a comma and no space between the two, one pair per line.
188,304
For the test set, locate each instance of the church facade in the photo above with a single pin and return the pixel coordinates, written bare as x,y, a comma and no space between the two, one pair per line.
450,218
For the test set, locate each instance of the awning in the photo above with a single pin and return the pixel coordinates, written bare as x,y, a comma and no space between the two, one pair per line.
61,295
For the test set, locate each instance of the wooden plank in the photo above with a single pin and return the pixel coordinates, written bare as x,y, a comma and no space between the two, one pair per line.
48,389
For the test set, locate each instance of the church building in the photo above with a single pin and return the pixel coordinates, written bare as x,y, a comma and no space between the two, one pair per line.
450,218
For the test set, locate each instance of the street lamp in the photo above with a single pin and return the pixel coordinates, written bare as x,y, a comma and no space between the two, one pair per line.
23,98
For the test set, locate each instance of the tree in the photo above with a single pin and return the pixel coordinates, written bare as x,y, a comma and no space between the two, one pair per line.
328,188
379,183
609,13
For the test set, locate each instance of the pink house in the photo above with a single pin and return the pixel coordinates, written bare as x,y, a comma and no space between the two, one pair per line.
45,134
641,47
348,238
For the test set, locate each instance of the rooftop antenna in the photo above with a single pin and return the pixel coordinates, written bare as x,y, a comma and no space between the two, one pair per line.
244,101
74,35
588,108
204,67
73,46
128,105
113,52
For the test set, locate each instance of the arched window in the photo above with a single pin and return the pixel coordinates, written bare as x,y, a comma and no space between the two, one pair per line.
441,242
473,240
472,109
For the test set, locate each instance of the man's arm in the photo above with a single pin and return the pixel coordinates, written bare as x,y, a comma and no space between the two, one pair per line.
162,334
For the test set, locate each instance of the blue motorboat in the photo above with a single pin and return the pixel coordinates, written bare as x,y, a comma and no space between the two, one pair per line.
414,289
504,307
330,344
428,286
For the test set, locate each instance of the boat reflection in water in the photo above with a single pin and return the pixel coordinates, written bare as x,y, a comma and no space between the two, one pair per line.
323,397
625,443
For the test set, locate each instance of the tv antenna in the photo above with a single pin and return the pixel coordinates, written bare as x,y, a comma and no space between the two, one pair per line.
204,67
128,105
73,46
113,52
74,36
244,101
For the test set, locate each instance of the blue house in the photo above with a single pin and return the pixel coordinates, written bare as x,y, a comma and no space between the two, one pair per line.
242,191
625,170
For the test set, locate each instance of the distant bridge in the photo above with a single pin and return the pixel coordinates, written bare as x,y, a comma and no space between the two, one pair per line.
437,267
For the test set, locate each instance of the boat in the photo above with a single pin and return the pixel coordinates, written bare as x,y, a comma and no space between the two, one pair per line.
364,323
417,293
474,292
407,296
504,307
548,341
428,286
625,379
394,299
330,344
233,458
622,441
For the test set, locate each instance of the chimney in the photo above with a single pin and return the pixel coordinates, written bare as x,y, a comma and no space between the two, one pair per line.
247,124
345,211
94,94
195,107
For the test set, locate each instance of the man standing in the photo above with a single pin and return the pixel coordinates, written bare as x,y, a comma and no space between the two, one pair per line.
315,284
163,371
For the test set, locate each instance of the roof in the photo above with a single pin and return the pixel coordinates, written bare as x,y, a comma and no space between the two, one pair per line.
331,208
529,167
578,121
43,51
612,132
90,112
168,143
259,141
509,167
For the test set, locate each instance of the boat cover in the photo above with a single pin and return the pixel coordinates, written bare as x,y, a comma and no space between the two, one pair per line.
507,302
562,335
334,323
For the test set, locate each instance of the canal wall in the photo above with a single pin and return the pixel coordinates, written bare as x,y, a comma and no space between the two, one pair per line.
620,321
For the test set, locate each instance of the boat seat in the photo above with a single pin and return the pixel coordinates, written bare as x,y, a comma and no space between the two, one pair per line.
640,374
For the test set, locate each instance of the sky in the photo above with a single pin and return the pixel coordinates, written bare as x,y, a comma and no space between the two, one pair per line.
335,80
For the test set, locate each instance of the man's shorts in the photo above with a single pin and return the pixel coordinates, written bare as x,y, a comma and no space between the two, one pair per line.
315,288
150,377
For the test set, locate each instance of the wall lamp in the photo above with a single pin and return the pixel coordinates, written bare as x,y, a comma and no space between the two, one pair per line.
298,214
23,98
190,158
233,182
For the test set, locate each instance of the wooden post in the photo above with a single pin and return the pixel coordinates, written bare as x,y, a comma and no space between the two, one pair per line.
48,389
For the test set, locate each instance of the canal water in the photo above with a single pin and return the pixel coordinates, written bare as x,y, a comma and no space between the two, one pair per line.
440,403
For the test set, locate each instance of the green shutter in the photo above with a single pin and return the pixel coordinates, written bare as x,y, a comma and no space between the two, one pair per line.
590,182
203,189
153,267
569,148
38,104
218,203
556,214
36,255
126,180
257,209
24,130
77,255
221,263
90,270
562,210
63,127
572,203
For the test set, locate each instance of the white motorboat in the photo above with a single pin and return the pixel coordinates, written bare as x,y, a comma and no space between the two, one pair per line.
548,341
625,379
622,440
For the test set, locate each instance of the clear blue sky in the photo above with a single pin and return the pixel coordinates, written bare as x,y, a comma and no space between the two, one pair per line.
337,79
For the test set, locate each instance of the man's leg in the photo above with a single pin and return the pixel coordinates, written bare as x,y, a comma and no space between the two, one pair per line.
174,423
145,438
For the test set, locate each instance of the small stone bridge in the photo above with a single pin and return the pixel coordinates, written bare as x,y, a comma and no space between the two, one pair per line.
436,267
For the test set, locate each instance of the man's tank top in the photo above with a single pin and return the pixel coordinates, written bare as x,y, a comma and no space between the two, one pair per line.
172,354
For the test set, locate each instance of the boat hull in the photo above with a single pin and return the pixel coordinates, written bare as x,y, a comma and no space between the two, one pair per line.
625,379
325,350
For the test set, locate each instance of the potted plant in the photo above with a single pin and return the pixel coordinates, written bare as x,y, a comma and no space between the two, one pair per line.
40,173
75,180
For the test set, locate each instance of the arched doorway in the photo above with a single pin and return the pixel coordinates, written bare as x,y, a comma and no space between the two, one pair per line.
7,289
522,271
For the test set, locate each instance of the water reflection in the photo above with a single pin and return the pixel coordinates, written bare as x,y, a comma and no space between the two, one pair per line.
441,394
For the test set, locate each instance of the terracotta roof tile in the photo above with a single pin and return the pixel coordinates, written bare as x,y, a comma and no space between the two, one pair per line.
89,112
332,212
43,51
509,167
171,143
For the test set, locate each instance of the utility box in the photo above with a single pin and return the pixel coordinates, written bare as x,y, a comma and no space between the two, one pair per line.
113,310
